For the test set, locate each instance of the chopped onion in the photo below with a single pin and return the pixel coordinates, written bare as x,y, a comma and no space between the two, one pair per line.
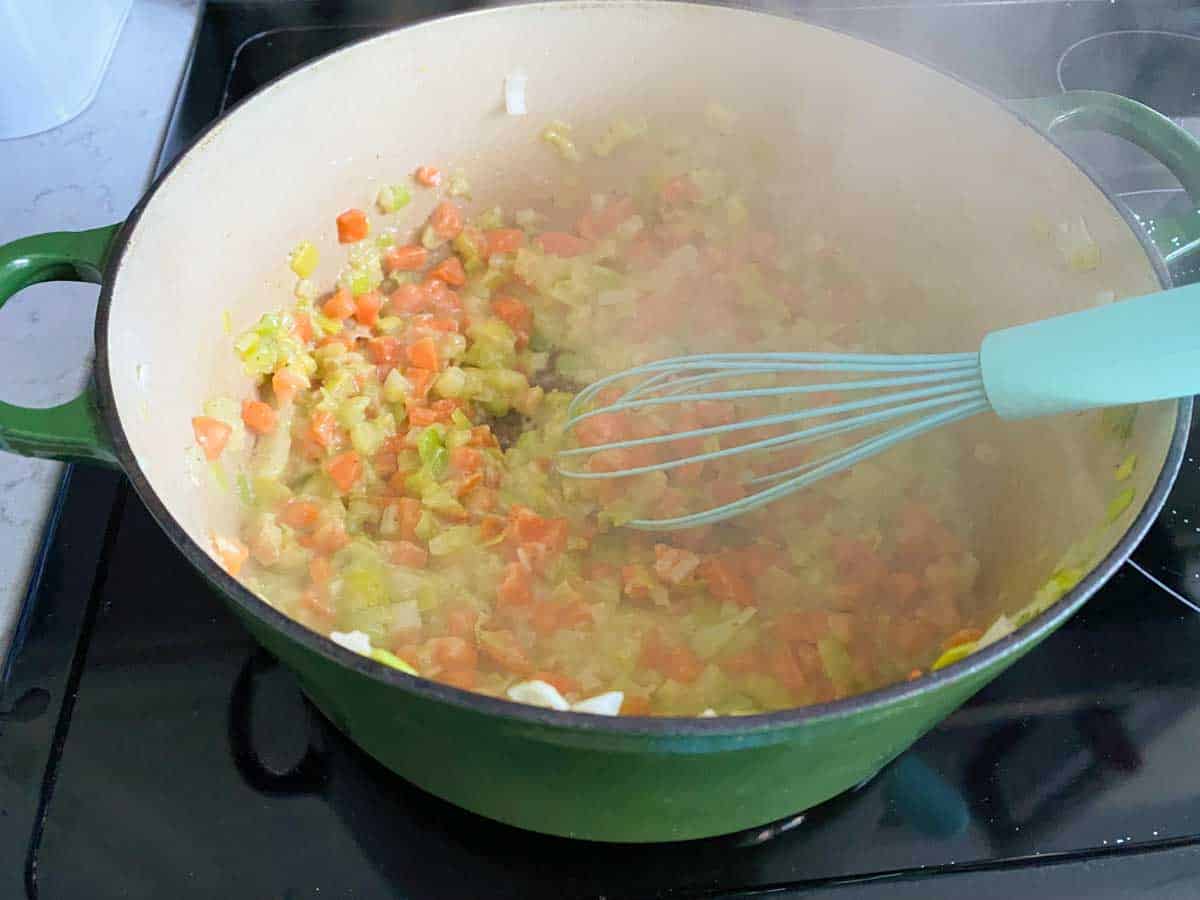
538,693
602,704
616,296
357,641
514,94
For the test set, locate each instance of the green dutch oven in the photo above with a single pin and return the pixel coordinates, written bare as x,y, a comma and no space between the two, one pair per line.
947,188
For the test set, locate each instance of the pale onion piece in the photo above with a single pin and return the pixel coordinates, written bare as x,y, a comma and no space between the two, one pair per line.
514,94
357,641
602,704
538,693
407,615
709,713
1001,628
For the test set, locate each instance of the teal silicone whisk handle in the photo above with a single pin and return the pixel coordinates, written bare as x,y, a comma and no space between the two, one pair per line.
1133,351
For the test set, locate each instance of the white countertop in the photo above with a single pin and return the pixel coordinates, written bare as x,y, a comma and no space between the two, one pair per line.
85,173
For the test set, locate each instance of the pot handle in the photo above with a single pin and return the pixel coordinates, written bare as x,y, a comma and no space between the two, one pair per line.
1137,123
72,431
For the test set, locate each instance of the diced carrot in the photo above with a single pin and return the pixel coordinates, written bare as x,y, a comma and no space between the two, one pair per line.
465,459
682,665
504,240
460,678
300,514
806,626
561,243
450,270
211,435
406,553
743,663
329,538
635,705
384,351
258,416
515,314
428,176
340,305
543,618
345,469
285,384
410,515
352,226
323,427
681,189
231,553
408,298
492,527
515,589
481,436
446,220
423,354
469,484
446,325
453,653
460,622
501,647
366,308
320,570
724,583
420,379
404,258
564,684
530,528
422,416
303,329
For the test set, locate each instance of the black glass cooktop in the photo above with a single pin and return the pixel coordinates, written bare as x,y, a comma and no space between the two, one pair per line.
147,749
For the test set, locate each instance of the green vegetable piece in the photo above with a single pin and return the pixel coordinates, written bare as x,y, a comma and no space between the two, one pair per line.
1125,469
1118,505
390,659
303,260
429,443
953,655
392,197
1118,421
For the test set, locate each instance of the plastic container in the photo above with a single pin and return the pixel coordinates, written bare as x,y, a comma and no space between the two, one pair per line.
53,55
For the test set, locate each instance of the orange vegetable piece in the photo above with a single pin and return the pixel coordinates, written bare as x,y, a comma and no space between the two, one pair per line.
501,647
423,354
258,416
323,427
384,351
560,243
962,636
406,553
504,240
285,384
681,189
404,258
366,308
320,570
460,622
410,515
635,705
303,329
453,653
459,678
516,588
724,583
446,220
515,314
408,298
340,305
345,469
564,684
465,459
428,176
352,226
300,514
450,270
231,553
212,435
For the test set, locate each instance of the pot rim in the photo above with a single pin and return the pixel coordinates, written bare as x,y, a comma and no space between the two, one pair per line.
664,726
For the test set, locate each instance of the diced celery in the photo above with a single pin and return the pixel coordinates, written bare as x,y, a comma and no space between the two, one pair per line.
558,135
1118,505
429,443
354,410
303,260
390,659
430,239
454,540
426,526
1125,469
360,282
451,383
392,197
366,438
458,185
953,655
396,387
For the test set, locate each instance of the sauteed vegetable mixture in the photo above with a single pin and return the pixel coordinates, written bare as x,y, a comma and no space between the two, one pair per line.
396,460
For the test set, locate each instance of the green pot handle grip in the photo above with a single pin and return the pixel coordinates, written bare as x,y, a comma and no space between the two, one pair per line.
1137,123
73,431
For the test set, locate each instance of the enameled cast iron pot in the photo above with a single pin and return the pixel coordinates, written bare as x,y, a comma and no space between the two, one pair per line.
934,183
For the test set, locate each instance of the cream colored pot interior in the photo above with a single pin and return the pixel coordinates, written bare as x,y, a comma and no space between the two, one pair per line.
935,190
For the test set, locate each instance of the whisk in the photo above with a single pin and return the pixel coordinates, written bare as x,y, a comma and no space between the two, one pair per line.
1133,351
